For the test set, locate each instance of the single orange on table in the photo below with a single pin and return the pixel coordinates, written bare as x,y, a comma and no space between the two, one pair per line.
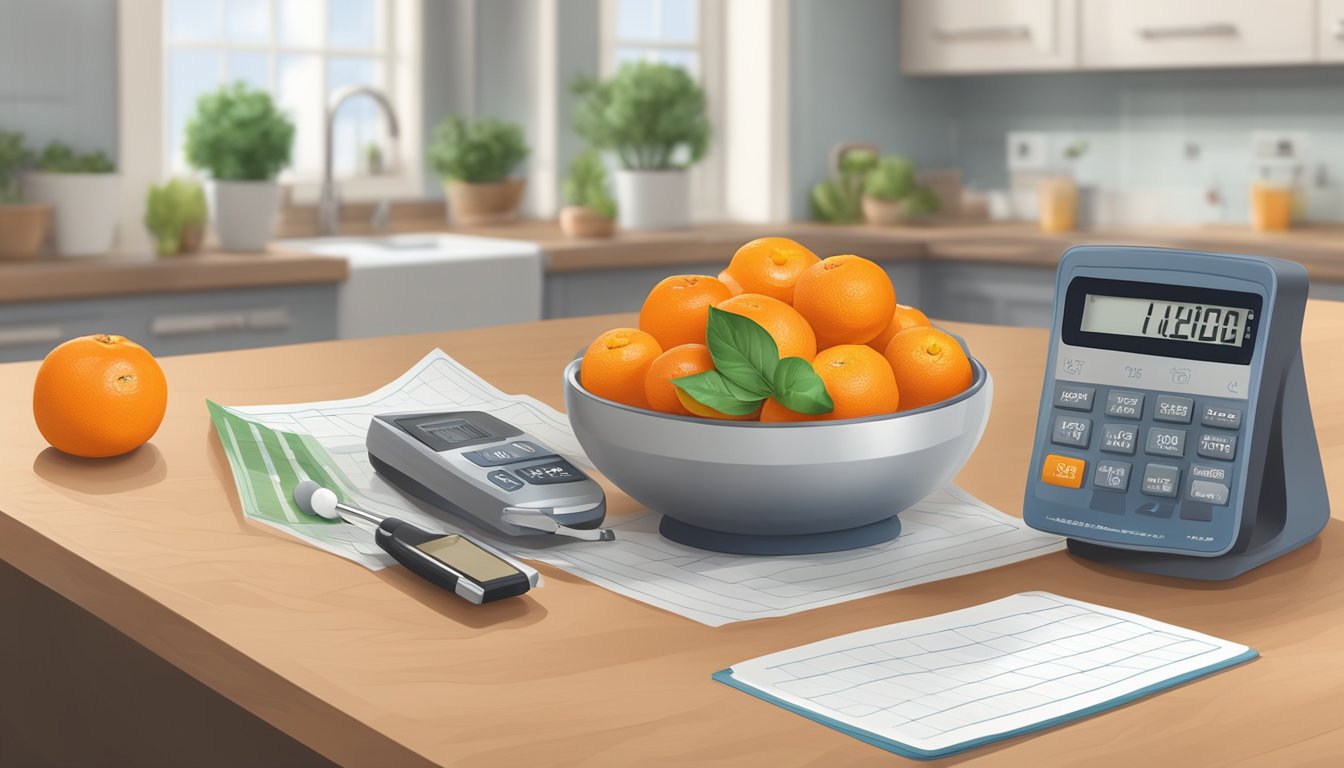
905,316
846,299
99,396
930,366
677,309
615,364
792,335
684,360
859,381
770,266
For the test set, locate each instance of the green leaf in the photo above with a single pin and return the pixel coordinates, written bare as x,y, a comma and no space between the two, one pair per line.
799,388
710,388
742,351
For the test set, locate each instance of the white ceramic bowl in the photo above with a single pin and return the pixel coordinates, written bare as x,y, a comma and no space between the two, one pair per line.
779,488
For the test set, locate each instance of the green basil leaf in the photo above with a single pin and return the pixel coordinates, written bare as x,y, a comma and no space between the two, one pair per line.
742,351
712,389
799,388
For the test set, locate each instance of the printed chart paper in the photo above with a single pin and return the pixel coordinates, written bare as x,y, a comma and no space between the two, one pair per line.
271,448
939,685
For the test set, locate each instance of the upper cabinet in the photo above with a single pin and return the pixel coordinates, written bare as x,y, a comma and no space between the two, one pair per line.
946,37
968,36
1133,34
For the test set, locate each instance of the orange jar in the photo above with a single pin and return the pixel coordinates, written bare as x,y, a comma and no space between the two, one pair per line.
1271,206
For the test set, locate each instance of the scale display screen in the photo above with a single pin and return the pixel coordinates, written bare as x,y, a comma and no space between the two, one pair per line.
1175,320
1181,321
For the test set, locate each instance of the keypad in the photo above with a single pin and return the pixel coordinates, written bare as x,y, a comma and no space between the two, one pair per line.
1138,461
507,453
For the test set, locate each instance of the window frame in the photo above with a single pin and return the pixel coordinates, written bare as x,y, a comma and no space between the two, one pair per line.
707,176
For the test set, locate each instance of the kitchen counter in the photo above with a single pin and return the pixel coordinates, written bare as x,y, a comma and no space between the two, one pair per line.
121,274
382,669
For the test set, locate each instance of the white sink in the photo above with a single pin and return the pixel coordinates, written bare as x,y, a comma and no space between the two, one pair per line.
423,282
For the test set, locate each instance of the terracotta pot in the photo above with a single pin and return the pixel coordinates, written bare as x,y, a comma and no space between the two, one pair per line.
580,222
883,213
191,238
474,204
22,230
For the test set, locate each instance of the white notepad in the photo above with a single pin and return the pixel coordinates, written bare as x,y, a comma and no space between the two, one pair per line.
935,686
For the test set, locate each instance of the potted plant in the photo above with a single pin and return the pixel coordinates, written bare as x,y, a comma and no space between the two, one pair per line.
175,215
892,197
590,211
241,139
839,199
82,190
475,160
652,116
22,227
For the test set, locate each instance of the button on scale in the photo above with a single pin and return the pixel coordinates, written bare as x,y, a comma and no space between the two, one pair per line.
1223,447
1207,492
1119,438
558,471
1124,405
1223,417
518,450
1111,475
504,480
1072,430
1074,397
1161,480
1064,471
1173,409
1165,442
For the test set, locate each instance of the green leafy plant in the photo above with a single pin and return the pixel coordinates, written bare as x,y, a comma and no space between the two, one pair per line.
587,185
171,207
238,134
921,201
838,200
58,157
15,158
892,179
747,370
483,151
645,113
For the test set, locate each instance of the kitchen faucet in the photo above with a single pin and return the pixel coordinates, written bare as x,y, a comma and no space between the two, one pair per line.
328,206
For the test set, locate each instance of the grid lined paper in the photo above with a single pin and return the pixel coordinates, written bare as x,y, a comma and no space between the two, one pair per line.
938,684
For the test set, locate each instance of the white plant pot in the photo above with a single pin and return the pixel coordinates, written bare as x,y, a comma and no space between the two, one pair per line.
653,199
244,213
84,209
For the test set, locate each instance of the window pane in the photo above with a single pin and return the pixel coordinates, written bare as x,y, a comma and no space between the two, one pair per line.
190,74
193,20
251,67
677,57
636,20
299,92
679,20
248,21
353,23
300,22
625,55
359,122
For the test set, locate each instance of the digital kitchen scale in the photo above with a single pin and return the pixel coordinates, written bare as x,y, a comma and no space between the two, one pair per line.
1175,436
474,465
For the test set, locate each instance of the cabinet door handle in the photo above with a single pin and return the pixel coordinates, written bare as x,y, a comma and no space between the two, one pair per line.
186,325
1215,29
20,335
986,34
272,319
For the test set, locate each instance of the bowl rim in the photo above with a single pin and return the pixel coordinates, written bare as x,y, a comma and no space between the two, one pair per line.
980,377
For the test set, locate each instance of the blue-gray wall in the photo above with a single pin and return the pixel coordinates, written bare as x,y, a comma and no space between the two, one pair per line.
58,71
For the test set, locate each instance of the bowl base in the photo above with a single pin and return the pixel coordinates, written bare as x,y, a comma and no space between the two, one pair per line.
766,544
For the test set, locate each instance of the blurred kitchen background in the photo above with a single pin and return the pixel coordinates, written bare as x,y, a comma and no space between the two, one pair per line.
963,144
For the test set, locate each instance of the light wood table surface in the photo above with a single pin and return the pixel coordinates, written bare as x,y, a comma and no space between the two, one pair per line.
380,669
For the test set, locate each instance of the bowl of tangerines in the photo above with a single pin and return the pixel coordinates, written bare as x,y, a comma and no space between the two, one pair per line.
788,405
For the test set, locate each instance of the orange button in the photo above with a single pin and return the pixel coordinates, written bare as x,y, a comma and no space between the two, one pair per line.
1063,470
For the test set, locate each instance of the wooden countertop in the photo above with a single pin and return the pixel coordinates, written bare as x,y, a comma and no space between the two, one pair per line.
380,669
52,278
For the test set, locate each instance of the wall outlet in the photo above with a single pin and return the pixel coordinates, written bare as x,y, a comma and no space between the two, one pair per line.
1028,151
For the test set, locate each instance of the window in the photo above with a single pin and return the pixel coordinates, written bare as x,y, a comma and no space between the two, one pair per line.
683,33
302,51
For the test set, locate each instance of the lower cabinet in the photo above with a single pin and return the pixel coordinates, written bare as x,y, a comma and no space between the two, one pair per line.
175,323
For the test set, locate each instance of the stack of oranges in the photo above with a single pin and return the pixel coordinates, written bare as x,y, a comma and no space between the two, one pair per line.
874,356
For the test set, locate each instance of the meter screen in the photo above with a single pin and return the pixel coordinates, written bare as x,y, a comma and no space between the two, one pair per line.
1176,320
456,431
465,557
1188,322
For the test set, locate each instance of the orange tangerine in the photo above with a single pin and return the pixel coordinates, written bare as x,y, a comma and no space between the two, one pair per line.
859,381
905,316
929,366
770,266
676,310
615,364
790,331
846,299
685,360
731,282
698,409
